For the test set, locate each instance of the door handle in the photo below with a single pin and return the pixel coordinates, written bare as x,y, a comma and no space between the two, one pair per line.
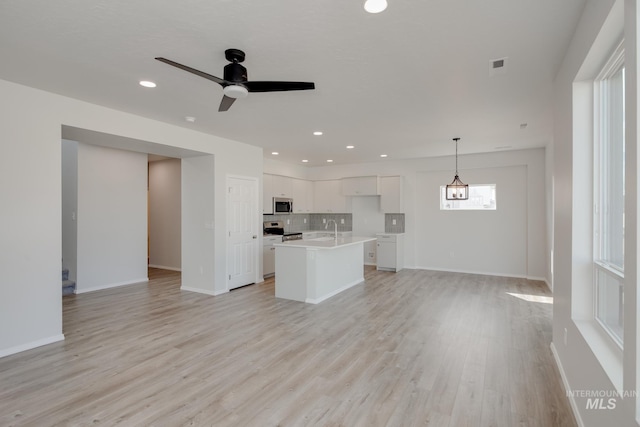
255,237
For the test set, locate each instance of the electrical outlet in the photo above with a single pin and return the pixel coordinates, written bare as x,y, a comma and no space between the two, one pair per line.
324,220
288,221
304,220
342,221
393,222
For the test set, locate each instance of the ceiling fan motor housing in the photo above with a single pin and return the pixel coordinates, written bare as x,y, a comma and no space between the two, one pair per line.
235,72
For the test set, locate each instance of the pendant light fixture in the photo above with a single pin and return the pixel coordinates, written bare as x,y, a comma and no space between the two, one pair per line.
375,6
457,190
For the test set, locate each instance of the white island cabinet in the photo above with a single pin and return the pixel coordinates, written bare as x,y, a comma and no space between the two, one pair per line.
313,270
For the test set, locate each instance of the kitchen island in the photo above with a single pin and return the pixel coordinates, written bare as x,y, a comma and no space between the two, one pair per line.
313,270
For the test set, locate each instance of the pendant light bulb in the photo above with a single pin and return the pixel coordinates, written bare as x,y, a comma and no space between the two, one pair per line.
375,6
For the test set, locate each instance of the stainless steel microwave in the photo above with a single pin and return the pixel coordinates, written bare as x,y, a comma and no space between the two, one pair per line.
282,205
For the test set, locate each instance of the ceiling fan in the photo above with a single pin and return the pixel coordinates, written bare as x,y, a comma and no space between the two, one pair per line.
235,84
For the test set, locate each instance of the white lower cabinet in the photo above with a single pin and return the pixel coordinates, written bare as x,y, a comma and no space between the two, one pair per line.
390,251
269,254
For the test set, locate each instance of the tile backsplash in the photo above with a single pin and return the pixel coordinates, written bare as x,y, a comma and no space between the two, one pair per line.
296,222
390,227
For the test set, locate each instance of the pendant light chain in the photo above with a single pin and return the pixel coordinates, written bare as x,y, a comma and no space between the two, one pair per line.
456,139
457,190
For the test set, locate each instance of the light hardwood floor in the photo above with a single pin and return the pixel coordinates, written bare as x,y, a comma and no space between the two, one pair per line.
402,349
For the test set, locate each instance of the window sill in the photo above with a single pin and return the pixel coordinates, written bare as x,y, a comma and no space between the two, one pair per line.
607,352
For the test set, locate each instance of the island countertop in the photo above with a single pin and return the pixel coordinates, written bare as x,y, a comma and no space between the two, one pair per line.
325,242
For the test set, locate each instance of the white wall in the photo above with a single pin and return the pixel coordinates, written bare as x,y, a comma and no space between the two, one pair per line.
112,218
198,210
30,230
277,167
580,367
165,206
30,184
70,207
486,242
419,239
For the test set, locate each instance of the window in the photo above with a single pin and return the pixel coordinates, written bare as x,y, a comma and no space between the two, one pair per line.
481,197
609,196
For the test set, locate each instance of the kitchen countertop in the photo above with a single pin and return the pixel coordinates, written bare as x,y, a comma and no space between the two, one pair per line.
325,242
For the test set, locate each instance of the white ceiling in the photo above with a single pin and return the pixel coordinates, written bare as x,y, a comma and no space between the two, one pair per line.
403,82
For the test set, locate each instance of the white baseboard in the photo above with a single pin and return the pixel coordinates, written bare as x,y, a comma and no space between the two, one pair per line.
203,291
565,382
112,285
33,344
336,292
164,267
483,273
486,273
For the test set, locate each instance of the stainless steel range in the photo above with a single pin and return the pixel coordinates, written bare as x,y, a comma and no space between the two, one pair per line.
277,228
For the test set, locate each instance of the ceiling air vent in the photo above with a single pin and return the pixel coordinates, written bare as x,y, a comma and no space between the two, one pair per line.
497,66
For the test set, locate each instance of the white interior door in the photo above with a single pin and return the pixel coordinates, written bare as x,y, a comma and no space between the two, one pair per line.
243,236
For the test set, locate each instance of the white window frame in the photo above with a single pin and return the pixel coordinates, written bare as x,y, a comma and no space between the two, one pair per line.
608,273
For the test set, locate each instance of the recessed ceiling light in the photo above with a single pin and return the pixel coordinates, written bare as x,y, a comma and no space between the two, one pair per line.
147,83
383,155
375,6
329,161
305,161
317,133
275,153
190,119
349,147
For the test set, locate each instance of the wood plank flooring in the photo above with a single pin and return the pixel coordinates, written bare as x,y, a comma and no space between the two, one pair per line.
414,348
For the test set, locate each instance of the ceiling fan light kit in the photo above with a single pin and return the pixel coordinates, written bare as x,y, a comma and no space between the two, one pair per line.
235,91
375,6
235,83
457,190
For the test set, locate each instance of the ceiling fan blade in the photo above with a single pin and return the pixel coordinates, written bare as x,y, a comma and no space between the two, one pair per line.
194,71
277,86
226,103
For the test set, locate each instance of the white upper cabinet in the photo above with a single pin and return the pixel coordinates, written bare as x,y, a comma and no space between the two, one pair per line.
361,186
328,197
333,195
282,186
391,200
302,191
267,194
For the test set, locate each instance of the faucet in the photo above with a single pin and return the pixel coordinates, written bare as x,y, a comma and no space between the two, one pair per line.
335,232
